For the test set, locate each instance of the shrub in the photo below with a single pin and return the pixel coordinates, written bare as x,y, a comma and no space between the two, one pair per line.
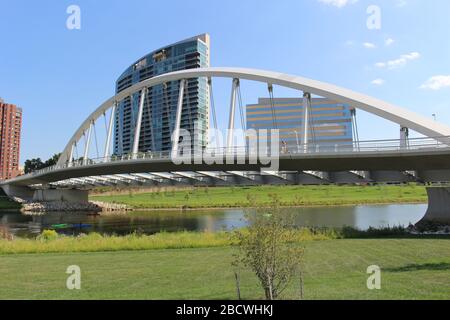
48,235
5,234
268,248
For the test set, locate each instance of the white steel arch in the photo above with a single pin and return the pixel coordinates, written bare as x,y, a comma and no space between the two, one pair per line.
401,116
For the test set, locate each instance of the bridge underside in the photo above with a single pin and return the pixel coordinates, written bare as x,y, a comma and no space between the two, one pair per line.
246,178
367,167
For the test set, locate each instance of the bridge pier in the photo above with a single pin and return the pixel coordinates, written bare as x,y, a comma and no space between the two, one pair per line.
53,195
45,195
438,205
20,192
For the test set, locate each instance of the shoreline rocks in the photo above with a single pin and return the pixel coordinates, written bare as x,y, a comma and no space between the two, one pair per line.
64,206
111,207
42,207
429,227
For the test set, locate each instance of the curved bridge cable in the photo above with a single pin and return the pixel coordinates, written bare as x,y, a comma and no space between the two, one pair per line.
106,124
213,110
96,141
76,151
150,117
356,128
119,127
213,107
272,106
241,109
133,118
85,143
355,143
311,124
167,106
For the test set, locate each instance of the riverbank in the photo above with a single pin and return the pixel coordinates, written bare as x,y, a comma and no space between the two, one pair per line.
243,197
49,241
334,269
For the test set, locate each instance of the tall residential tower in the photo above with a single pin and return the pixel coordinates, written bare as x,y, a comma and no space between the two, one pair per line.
161,101
10,129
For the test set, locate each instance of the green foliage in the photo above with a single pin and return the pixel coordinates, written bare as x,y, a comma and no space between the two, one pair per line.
37,164
270,248
48,235
33,165
8,204
48,242
352,233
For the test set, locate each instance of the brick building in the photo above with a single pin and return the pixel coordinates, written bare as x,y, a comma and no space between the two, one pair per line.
10,129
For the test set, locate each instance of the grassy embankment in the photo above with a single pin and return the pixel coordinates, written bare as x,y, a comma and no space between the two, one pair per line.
336,269
97,243
224,197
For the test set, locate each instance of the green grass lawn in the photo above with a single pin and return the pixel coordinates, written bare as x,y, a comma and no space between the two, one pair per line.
261,195
334,269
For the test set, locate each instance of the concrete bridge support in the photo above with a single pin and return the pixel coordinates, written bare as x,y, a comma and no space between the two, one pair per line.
45,195
53,195
438,205
20,192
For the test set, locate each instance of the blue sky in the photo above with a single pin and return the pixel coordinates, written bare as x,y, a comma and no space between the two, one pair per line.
58,76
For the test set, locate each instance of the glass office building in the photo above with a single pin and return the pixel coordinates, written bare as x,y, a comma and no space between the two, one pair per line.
161,102
330,121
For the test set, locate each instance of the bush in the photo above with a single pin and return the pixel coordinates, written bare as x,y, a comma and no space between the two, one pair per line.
5,234
48,235
352,233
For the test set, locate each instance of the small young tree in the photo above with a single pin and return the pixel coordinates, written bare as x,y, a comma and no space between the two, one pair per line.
270,248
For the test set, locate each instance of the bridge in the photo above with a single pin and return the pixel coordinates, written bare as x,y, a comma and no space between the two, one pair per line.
425,160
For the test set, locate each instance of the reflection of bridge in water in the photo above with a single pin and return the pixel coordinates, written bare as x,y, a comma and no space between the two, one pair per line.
395,161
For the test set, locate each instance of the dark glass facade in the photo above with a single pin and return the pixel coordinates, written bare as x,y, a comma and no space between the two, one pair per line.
161,102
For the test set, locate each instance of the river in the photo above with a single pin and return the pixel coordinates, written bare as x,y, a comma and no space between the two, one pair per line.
361,217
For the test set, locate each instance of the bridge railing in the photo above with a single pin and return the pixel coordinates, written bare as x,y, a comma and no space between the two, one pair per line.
416,144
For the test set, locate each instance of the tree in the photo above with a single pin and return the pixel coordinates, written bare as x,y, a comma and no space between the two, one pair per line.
37,164
269,247
33,165
52,161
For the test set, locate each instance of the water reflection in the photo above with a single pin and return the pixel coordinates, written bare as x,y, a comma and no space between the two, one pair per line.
361,217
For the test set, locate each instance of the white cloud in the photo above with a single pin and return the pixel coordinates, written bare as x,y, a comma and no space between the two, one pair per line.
401,3
400,62
369,45
436,83
389,41
378,82
338,3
